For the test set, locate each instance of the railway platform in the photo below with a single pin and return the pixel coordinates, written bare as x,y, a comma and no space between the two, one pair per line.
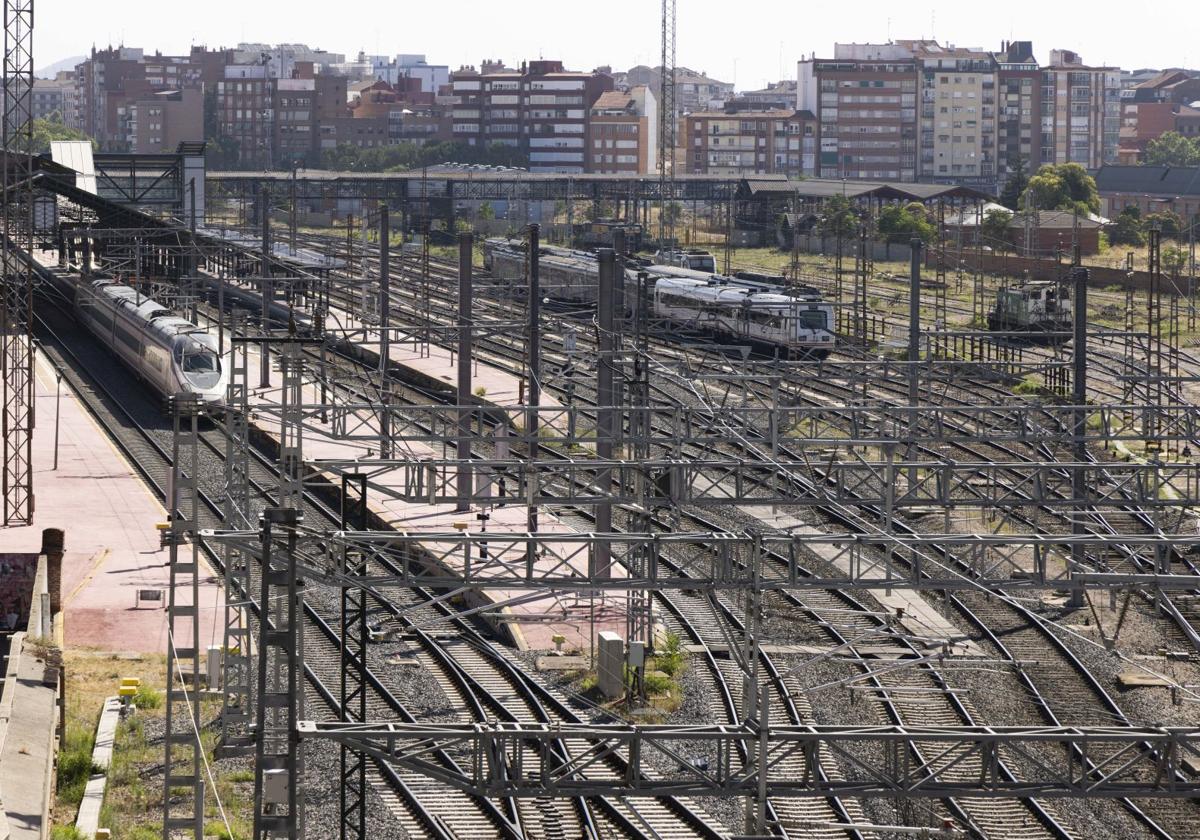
108,517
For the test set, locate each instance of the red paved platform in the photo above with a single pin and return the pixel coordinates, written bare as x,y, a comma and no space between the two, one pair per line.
109,517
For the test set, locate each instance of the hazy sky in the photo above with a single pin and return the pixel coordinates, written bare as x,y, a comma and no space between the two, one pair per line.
747,41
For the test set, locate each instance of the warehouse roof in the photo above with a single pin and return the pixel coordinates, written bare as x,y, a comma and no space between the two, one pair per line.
761,185
1149,180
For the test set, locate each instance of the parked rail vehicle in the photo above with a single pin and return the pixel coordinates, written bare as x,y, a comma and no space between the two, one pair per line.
794,326
599,234
693,259
1039,309
564,275
171,354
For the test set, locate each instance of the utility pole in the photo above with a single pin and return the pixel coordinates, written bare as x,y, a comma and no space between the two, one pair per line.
466,242
535,356
264,377
666,129
605,411
1079,487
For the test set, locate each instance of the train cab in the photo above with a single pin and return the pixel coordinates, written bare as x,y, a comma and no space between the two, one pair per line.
199,365
1039,308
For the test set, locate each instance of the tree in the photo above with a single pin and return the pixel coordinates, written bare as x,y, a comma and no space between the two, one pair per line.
47,131
1015,186
486,211
1064,186
1172,149
1174,258
900,224
838,217
1168,221
995,230
1127,229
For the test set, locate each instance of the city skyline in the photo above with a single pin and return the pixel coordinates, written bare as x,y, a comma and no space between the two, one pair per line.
710,39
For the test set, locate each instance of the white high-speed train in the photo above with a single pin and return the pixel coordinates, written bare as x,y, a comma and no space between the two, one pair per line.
798,326
171,354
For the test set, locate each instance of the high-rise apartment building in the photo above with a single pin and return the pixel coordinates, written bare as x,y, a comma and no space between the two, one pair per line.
1018,109
918,110
110,81
540,108
1081,111
865,103
957,138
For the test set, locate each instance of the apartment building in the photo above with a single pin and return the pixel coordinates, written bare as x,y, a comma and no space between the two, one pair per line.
623,138
54,96
160,122
865,104
111,80
1081,111
411,114
917,110
541,108
958,114
740,143
245,102
1018,109
1155,106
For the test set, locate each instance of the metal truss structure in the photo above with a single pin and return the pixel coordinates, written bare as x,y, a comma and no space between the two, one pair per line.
183,764
16,304
731,562
278,765
811,482
780,428
499,761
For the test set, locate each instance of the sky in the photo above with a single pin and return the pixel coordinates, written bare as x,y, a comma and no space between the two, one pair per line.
749,42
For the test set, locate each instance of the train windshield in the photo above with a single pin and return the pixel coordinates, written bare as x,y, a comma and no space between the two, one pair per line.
198,362
813,319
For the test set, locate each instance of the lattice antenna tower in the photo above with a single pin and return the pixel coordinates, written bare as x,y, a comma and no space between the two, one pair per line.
666,126
16,308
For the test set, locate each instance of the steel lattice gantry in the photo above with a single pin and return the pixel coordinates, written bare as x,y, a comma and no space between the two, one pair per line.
520,760
16,308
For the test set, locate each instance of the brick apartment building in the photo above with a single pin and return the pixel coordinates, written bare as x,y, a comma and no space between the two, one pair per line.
917,110
1162,103
865,103
623,137
541,108
161,121
287,122
1018,108
111,81
740,143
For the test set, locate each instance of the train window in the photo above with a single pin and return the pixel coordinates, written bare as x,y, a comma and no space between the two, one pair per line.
814,319
202,362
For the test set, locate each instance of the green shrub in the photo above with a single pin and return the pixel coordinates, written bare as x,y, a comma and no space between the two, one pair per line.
147,698
659,683
672,659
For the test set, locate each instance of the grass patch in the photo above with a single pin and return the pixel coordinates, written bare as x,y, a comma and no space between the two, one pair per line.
1030,386
147,699
66,832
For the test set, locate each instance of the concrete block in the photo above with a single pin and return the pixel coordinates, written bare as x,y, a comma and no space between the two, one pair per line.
610,668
